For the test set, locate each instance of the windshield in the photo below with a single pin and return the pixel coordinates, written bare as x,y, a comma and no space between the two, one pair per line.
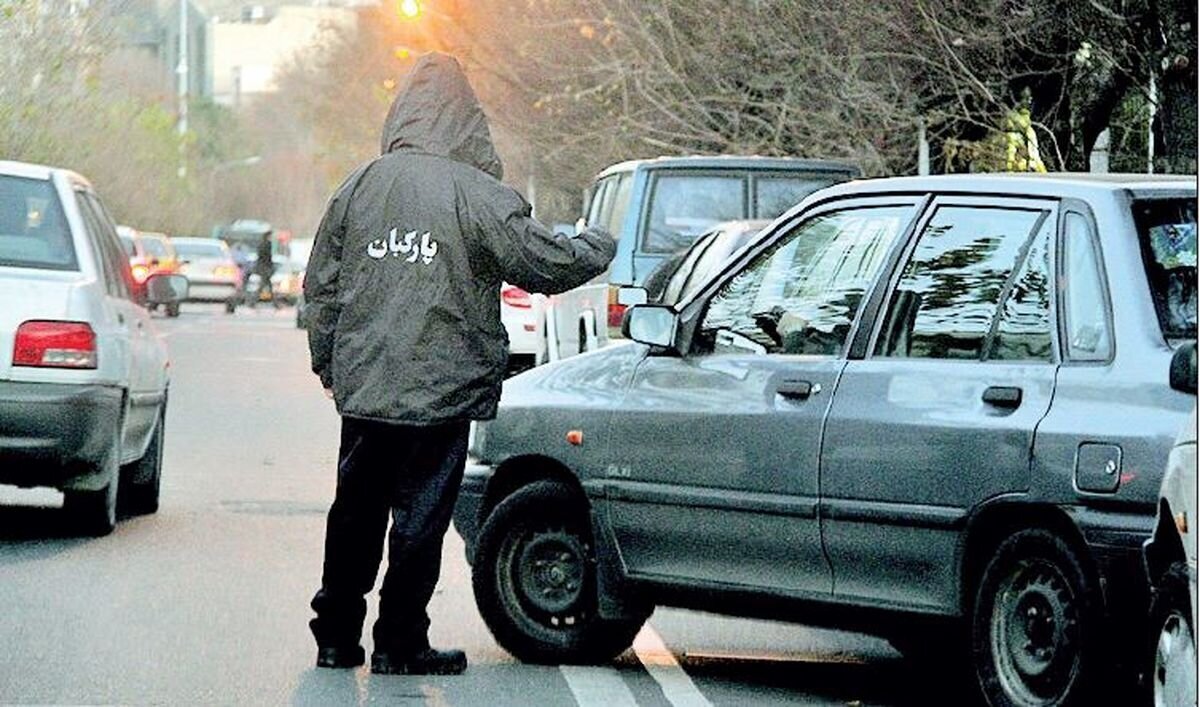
685,205
1167,231
155,247
33,230
199,250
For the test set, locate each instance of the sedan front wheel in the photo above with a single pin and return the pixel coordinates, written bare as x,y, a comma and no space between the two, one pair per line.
535,580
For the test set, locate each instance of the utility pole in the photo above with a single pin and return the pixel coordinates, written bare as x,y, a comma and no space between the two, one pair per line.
1150,125
182,71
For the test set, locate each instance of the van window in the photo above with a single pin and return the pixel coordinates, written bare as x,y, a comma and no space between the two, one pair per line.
619,206
1167,231
685,205
33,229
775,195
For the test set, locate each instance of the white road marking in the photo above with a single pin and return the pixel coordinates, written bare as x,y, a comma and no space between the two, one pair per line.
595,686
660,662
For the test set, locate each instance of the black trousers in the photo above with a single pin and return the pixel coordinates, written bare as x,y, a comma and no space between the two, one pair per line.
414,474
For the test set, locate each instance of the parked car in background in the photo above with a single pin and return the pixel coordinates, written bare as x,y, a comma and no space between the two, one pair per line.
83,377
656,209
149,254
1171,561
928,408
212,274
683,273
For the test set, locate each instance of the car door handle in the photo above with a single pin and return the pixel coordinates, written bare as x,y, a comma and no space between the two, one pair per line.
797,389
1003,396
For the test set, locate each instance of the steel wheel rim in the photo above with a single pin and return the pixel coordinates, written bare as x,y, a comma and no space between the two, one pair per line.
1174,663
1035,635
563,611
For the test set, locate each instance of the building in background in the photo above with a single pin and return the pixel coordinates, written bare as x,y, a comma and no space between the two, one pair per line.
247,51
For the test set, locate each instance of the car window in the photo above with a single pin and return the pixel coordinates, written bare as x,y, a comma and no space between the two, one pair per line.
1167,231
199,250
598,193
155,247
685,205
1088,335
116,265
801,295
33,228
128,245
620,205
775,195
976,275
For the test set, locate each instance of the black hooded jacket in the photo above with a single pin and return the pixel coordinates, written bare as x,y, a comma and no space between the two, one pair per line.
403,285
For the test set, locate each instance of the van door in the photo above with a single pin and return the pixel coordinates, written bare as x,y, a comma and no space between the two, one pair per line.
940,416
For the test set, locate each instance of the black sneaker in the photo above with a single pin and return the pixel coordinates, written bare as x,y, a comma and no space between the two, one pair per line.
426,662
340,656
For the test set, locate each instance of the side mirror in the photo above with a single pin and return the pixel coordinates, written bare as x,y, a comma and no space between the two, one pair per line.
166,289
1183,368
632,296
651,324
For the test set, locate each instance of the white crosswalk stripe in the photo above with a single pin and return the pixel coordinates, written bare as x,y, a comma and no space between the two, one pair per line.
660,662
596,686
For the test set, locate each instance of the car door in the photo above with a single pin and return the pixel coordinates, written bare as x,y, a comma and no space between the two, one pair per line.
143,365
714,455
940,415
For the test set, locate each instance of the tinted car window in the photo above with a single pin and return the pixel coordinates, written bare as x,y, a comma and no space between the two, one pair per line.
802,294
1167,231
966,263
775,195
685,205
33,229
1088,336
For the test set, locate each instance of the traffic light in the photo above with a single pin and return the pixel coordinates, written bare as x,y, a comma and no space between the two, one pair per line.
409,9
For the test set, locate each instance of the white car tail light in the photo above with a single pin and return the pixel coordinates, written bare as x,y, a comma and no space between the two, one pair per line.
514,296
47,344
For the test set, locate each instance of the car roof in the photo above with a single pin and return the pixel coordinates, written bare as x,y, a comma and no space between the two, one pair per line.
751,162
1054,184
29,170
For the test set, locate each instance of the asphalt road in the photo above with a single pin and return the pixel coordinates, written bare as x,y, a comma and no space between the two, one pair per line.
206,602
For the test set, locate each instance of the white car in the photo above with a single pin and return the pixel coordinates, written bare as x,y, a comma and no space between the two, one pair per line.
521,313
83,377
1170,556
212,274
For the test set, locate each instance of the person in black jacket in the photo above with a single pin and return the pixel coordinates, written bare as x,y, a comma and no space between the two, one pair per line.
403,294
264,267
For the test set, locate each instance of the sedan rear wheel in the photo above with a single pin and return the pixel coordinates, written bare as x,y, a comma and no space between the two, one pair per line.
1034,624
535,580
94,513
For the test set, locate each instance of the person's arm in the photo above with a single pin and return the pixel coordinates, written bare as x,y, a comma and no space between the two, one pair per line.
533,257
321,280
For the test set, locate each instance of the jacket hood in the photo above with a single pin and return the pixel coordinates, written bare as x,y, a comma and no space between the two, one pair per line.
436,112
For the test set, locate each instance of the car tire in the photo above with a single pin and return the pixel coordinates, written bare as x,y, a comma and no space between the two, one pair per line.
1035,625
230,307
1172,646
173,309
94,513
534,578
145,475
